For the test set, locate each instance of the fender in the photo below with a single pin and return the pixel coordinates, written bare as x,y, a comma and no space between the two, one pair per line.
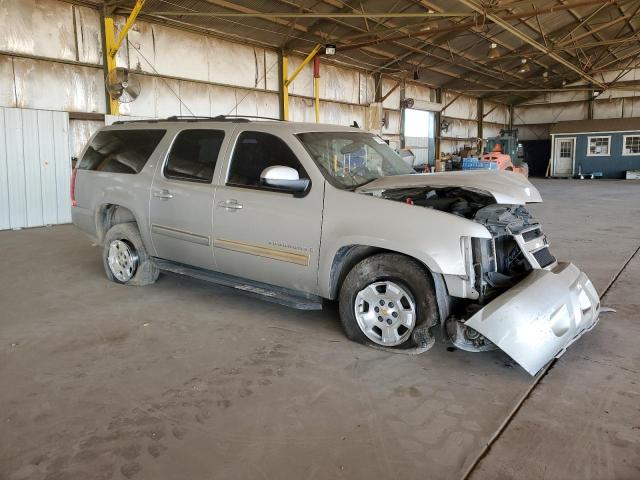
432,237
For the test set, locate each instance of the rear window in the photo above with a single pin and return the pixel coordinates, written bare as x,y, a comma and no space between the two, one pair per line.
193,155
120,151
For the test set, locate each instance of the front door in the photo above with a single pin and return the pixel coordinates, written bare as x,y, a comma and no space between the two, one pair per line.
564,156
261,233
182,196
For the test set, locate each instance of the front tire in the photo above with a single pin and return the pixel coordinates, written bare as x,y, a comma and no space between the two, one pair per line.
124,257
385,299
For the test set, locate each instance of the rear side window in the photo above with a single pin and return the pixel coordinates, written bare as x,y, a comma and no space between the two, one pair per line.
193,155
255,151
121,151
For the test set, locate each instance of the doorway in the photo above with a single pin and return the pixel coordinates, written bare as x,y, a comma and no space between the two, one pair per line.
564,155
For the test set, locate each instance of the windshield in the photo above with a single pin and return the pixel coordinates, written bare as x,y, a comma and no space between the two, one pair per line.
351,159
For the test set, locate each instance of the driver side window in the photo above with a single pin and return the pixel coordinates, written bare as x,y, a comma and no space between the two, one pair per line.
255,151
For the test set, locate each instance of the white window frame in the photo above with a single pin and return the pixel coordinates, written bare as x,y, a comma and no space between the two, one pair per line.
608,154
624,145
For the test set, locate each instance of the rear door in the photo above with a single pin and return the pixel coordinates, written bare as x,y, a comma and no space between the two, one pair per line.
182,196
260,233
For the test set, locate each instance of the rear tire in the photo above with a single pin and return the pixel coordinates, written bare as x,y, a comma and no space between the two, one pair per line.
124,257
385,298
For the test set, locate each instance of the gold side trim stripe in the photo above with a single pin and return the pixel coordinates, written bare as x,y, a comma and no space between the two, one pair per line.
261,251
181,234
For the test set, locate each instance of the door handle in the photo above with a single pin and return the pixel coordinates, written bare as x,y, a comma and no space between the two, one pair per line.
230,204
163,194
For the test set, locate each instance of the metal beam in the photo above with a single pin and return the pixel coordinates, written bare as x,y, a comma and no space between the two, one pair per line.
592,31
309,57
287,80
467,25
127,26
110,60
312,14
525,38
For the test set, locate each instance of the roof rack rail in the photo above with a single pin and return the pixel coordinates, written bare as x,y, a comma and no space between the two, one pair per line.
249,117
185,118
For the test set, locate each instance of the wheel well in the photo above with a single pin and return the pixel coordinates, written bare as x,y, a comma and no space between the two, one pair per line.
347,257
109,215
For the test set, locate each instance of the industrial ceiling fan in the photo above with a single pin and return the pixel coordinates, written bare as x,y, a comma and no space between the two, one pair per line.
122,85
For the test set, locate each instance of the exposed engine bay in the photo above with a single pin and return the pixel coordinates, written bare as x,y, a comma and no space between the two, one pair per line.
517,246
460,201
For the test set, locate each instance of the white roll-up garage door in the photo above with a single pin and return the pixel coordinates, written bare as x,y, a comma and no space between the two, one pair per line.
35,168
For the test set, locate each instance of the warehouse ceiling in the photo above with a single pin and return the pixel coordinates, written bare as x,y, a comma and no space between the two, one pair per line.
509,50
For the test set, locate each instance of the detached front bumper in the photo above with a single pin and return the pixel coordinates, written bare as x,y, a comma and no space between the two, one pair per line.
536,320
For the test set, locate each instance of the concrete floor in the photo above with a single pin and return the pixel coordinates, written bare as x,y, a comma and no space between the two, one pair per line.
186,380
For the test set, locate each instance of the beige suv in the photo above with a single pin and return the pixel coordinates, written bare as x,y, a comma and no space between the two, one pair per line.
296,213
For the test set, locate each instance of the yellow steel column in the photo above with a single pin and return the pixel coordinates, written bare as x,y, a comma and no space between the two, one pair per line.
113,45
285,87
110,40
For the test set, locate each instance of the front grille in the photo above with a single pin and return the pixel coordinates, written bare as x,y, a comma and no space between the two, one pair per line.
531,234
544,257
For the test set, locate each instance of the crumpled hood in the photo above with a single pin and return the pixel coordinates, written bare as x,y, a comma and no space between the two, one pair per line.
506,187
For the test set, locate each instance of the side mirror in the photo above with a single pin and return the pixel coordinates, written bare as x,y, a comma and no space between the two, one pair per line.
284,178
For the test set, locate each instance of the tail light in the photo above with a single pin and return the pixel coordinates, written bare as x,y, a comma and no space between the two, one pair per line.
72,187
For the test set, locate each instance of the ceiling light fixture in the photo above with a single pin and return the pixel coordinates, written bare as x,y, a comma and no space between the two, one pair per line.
524,66
493,51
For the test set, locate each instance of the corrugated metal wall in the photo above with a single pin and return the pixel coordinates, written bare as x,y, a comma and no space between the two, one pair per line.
35,168
51,60
535,117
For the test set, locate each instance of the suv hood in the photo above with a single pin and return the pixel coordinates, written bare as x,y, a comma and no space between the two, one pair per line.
506,187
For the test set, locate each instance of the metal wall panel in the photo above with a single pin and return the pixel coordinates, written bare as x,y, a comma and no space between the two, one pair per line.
549,113
5,217
533,132
608,109
46,161
62,160
491,130
393,100
303,84
35,168
88,35
463,107
499,113
272,70
339,84
15,168
367,89
55,86
79,133
31,161
37,27
419,92
7,87
631,107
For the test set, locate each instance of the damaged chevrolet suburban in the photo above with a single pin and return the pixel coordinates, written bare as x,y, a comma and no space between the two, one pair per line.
296,213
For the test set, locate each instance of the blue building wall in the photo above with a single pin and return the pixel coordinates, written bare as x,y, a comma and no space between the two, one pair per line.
612,166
